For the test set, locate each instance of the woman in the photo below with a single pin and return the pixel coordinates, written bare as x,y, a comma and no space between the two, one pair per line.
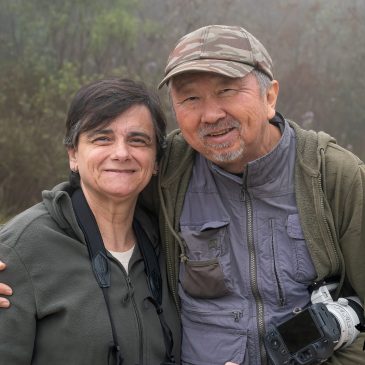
59,314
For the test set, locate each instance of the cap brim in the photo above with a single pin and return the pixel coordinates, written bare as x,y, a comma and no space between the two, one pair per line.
221,67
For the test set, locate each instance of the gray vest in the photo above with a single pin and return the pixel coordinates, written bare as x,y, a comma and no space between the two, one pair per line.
248,261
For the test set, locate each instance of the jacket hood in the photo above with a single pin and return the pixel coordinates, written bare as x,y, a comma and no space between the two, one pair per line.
177,157
59,205
310,145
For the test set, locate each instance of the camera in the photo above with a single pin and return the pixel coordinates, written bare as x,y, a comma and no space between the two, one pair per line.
313,334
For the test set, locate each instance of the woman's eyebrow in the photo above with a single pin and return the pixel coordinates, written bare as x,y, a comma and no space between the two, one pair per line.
99,131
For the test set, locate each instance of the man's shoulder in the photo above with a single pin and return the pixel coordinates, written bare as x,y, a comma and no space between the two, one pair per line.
337,153
310,145
310,141
342,162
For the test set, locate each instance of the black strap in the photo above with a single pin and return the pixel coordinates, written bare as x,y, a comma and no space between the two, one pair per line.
101,269
152,270
98,258
95,245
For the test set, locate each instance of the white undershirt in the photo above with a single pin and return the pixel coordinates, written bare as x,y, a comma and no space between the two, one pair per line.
123,257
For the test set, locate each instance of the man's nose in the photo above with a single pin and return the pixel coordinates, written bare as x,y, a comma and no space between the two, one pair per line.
212,111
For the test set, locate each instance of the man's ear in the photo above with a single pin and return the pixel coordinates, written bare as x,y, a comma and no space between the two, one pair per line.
271,98
72,159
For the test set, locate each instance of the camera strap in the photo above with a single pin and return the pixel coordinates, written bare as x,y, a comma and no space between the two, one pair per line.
101,268
154,280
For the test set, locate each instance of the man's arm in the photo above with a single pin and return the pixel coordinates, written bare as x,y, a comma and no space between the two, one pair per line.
352,355
350,218
4,290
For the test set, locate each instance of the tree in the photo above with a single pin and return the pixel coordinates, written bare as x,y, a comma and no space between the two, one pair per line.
48,50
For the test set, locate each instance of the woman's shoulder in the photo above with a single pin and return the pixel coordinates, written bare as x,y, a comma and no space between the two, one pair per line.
31,224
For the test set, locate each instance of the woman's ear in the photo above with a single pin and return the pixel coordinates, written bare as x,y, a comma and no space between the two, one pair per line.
155,169
72,159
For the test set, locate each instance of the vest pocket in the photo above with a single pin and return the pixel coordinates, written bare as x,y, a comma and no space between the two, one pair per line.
305,271
204,279
223,340
205,274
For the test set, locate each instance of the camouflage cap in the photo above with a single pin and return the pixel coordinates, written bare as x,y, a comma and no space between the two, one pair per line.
227,50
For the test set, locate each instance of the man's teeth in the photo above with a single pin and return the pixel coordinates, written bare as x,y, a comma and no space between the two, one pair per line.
214,134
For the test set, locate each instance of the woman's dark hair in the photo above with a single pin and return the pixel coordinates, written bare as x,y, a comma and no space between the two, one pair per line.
96,105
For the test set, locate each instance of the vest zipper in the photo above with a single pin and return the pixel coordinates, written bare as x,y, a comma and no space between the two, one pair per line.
277,279
253,274
236,315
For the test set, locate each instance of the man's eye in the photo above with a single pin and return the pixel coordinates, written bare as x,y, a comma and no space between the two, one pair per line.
189,99
227,92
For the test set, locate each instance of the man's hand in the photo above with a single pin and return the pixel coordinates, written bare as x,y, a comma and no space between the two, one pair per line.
4,290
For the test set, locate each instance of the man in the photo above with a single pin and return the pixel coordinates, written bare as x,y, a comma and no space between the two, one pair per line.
253,208
256,209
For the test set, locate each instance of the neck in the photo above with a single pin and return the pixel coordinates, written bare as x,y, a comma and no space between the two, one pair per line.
114,220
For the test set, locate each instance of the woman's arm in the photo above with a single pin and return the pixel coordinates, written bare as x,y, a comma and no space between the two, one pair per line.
18,323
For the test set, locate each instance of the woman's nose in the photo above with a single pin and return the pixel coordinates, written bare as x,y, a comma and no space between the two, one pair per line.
121,151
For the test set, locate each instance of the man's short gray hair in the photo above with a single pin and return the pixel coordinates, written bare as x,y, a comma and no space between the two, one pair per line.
263,80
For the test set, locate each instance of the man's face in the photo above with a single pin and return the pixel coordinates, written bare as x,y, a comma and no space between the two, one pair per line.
225,119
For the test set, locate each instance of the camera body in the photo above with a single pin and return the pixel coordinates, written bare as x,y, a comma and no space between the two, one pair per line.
311,336
307,338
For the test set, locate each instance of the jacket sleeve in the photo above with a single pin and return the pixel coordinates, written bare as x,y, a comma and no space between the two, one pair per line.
351,231
352,355
18,323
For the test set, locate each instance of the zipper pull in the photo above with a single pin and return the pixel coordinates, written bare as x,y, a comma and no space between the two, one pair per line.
237,315
130,287
243,195
183,258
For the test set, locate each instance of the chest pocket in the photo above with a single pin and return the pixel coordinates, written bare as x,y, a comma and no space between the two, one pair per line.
304,268
206,272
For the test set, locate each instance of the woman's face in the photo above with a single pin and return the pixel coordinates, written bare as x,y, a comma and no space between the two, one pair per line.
117,161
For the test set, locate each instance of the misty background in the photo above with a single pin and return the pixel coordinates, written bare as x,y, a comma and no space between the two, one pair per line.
49,48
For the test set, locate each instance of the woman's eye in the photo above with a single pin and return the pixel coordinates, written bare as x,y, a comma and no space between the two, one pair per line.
100,139
138,142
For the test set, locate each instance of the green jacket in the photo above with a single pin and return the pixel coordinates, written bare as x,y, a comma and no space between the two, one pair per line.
330,194
58,314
